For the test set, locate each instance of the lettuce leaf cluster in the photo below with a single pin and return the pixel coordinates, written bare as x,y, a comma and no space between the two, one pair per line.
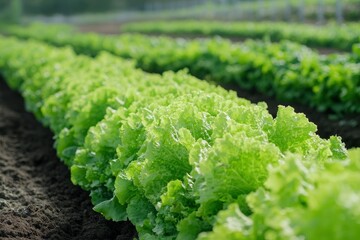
286,70
329,36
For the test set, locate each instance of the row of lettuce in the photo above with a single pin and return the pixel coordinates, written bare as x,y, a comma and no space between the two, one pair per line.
286,70
181,158
332,35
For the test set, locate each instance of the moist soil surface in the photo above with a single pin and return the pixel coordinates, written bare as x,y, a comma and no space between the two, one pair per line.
37,198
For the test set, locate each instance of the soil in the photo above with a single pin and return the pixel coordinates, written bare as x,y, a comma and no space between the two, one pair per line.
37,198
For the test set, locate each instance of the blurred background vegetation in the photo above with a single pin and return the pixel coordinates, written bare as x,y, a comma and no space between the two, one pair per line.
95,11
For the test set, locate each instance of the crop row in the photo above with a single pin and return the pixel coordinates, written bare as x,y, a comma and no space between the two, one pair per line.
182,158
329,36
286,70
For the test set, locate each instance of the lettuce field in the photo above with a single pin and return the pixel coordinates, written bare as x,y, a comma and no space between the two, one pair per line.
133,136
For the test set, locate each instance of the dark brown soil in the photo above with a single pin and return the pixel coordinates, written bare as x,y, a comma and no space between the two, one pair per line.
347,127
37,199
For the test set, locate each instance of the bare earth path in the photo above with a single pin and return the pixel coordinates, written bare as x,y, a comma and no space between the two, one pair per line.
37,199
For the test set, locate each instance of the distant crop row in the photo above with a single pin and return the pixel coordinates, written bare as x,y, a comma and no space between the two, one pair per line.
182,158
328,36
286,70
